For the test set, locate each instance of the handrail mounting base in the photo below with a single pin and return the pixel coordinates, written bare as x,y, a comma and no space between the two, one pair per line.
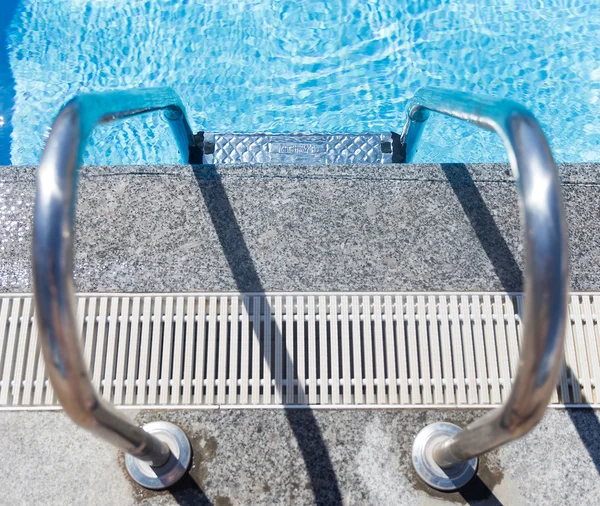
159,478
445,479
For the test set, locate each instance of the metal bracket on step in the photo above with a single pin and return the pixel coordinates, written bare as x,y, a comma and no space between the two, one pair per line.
196,150
398,149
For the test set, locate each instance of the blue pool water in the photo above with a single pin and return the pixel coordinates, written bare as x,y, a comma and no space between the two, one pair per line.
303,66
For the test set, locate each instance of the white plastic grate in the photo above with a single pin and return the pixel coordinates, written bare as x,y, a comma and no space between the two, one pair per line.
320,349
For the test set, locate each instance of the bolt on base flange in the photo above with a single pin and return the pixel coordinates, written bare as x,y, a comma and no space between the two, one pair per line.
161,477
446,479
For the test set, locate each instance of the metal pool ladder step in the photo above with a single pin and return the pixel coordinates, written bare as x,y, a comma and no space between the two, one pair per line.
297,349
232,148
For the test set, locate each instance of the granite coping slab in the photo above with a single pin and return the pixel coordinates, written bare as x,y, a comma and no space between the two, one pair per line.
298,228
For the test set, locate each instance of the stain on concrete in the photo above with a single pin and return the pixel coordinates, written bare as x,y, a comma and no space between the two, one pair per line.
205,451
222,501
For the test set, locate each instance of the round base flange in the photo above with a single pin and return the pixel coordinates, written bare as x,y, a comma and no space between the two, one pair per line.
446,479
158,478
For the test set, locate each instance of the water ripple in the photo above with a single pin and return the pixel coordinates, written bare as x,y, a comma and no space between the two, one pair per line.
311,66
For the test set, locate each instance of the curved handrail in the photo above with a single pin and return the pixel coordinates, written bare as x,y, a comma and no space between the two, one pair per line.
54,291
546,264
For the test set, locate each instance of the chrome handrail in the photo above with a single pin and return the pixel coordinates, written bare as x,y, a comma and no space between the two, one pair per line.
158,454
443,454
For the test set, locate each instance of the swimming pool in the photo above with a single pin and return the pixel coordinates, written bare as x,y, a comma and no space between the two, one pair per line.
336,66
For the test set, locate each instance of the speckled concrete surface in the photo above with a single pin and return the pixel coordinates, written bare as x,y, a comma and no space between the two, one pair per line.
274,457
412,227
426,227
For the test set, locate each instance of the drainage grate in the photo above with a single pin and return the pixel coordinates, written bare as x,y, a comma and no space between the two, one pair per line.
330,349
298,148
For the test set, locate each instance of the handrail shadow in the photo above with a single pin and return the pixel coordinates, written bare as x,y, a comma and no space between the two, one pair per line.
586,423
302,422
187,491
247,279
505,266
476,492
510,275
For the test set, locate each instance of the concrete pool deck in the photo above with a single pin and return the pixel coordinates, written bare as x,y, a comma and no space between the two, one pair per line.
300,457
255,228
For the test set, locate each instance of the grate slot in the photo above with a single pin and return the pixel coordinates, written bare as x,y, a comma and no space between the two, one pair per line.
490,349
107,377
178,347
234,351
265,338
278,330
480,362
322,356
134,351
380,373
501,345
573,391
256,354
123,350
581,348
435,357
32,361
23,340
356,364
513,347
224,332
335,346
346,347
390,341
11,345
289,353
312,352
245,352
591,339
423,347
471,342
301,353
413,350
